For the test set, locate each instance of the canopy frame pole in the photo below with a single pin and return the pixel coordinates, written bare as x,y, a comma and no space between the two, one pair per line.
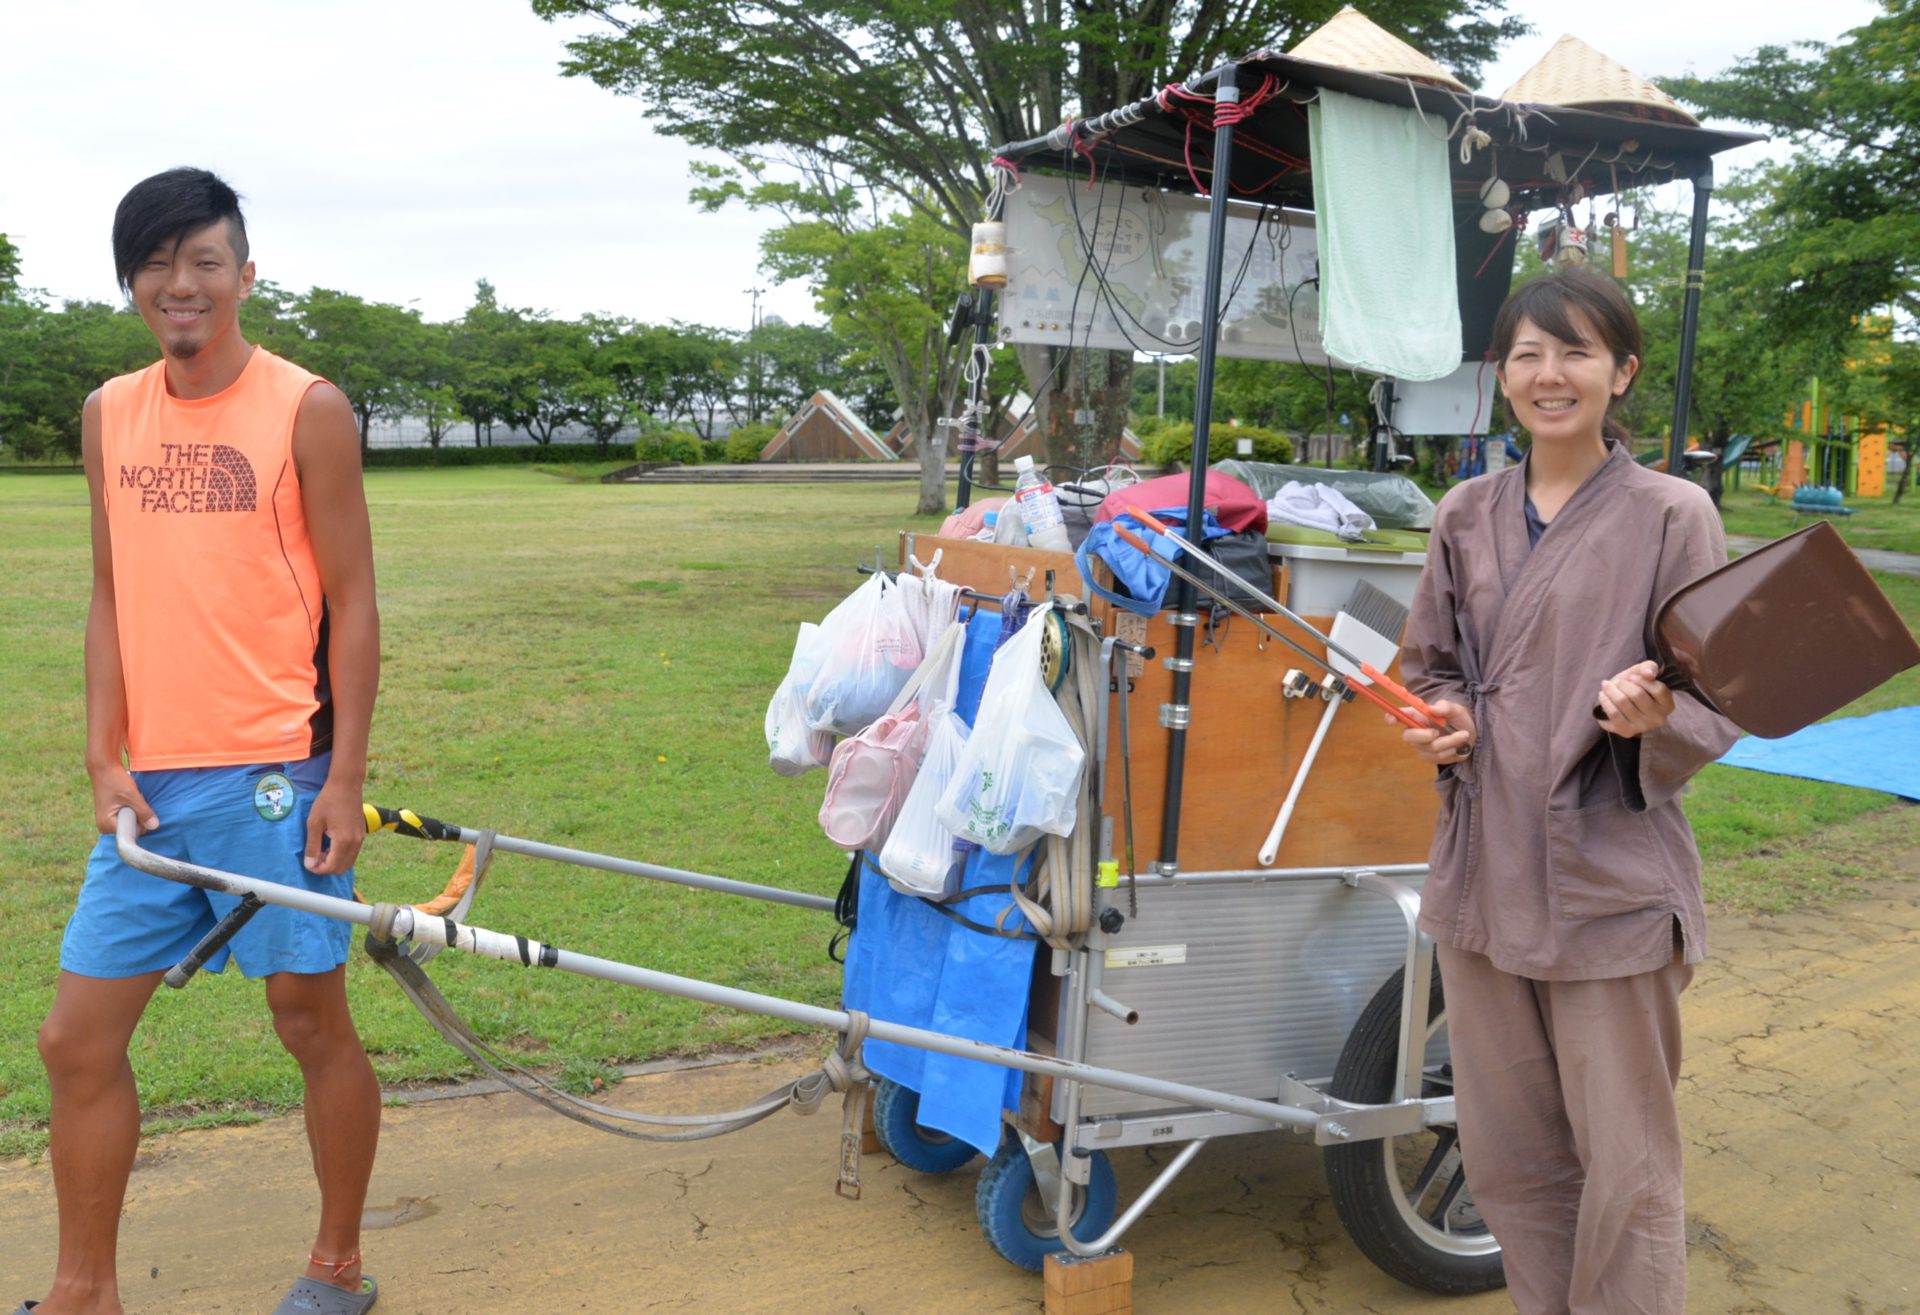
1690,319
1186,621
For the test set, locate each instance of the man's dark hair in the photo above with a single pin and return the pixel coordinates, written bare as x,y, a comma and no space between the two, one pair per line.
165,208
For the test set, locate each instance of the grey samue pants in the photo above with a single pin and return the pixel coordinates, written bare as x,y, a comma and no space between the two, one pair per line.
1570,1135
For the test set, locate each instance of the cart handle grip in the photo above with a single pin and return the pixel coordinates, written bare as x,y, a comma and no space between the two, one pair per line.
406,822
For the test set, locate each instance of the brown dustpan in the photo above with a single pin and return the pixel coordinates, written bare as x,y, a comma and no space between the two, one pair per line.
1779,638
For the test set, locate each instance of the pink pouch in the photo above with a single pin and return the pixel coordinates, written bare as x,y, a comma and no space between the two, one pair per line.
869,777
871,772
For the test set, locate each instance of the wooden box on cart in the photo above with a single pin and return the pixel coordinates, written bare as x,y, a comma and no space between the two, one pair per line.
1367,800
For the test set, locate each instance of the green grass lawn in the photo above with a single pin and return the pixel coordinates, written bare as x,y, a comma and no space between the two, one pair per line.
589,665
1876,522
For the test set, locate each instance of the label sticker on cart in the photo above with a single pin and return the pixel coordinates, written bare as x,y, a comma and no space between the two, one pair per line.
1146,956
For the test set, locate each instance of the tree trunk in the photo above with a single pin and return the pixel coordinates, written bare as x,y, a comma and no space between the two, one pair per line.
931,439
1907,449
1112,403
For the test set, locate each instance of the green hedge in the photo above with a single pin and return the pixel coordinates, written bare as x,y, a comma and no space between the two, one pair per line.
518,454
745,443
1174,444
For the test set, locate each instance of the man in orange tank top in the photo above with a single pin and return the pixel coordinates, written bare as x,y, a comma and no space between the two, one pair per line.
232,657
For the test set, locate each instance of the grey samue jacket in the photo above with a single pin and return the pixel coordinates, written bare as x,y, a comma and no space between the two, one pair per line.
1561,852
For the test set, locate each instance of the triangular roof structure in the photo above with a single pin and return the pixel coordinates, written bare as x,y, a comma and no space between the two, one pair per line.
1015,441
826,429
1351,40
1577,76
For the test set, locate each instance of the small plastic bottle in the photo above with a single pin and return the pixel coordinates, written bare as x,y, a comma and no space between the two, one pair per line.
1039,508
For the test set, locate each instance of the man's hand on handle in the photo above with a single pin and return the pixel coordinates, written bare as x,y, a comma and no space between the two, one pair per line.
113,789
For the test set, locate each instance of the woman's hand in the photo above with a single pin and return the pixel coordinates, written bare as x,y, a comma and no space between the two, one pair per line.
1635,701
1443,745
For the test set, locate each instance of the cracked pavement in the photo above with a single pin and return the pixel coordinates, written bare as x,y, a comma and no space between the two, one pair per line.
1803,1183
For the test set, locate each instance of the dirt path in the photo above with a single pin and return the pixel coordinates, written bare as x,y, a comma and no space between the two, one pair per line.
1803,1172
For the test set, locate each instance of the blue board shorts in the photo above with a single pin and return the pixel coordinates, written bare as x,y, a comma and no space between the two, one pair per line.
250,821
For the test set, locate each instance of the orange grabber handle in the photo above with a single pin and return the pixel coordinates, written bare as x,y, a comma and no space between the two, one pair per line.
1148,519
1420,717
1399,691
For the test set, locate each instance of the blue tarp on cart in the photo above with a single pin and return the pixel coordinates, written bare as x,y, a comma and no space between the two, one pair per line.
909,964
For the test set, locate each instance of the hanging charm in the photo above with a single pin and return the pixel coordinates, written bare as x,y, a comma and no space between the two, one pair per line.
1618,237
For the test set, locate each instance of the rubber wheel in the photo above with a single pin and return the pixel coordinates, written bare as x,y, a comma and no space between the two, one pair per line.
1404,1200
1019,1225
924,1150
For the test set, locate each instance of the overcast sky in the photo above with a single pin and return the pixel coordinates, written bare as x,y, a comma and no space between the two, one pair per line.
401,149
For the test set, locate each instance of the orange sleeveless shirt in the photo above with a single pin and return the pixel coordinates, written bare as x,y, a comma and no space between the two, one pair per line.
216,591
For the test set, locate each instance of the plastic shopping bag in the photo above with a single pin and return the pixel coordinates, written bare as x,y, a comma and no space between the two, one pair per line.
930,604
872,772
793,747
1019,778
918,857
871,649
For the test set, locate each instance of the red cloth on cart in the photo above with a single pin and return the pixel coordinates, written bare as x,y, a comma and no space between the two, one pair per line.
1233,502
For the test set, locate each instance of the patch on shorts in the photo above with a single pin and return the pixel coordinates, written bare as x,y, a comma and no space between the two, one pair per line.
274,796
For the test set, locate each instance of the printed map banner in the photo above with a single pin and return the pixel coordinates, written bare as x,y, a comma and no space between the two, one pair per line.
1148,249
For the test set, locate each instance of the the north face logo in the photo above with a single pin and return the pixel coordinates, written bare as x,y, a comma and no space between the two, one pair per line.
194,477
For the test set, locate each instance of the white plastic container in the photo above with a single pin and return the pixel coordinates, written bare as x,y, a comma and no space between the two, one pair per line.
1039,508
1320,580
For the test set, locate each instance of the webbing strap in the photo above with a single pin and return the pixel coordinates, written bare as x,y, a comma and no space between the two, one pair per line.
843,1070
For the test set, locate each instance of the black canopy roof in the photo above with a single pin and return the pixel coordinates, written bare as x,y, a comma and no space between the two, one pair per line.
1546,154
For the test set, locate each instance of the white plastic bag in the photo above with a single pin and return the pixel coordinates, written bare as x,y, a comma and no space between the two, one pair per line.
792,746
918,857
1019,778
871,647
930,604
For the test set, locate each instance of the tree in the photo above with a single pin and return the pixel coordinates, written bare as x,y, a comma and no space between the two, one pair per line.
1838,223
556,374
904,96
797,360
879,277
363,348
490,378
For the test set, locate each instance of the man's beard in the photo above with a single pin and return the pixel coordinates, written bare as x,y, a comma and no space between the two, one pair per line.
184,349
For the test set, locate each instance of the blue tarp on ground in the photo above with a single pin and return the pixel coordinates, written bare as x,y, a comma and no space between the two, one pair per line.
1879,752
908,964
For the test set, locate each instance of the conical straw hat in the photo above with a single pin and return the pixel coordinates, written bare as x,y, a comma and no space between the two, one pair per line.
1352,40
1576,75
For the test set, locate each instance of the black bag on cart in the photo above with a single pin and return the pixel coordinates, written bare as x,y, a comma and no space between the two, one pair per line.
1246,558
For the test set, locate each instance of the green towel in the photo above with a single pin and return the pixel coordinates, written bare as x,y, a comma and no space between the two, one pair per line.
1383,215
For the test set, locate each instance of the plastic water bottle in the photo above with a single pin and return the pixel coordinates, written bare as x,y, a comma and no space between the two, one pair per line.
1039,508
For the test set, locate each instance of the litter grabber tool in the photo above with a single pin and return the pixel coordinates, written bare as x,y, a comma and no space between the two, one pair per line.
1422,717
1369,624
1419,717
